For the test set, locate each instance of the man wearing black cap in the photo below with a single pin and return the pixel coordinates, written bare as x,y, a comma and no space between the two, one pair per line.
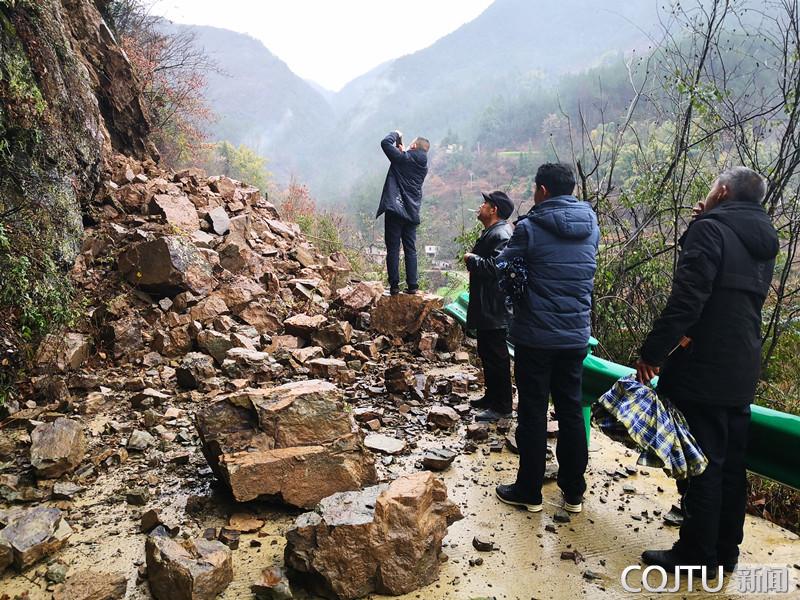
487,312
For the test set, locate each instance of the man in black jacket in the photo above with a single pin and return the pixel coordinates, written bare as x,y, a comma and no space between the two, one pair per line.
401,200
707,346
487,312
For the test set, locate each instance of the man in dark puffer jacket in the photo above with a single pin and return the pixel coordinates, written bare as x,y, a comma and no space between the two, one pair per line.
723,277
401,200
558,241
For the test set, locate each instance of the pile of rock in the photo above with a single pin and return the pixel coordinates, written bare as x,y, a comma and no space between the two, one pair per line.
294,441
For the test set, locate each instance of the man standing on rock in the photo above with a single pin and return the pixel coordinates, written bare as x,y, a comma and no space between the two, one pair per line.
556,245
487,312
707,346
400,201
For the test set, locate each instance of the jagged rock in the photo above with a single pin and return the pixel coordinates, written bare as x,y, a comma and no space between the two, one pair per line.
259,314
224,186
303,355
285,342
304,325
167,266
272,585
65,352
384,443
478,432
92,585
359,296
328,368
195,569
57,447
443,417
175,342
438,459
383,539
402,314
246,362
333,336
177,211
195,368
214,343
427,345
31,535
300,413
220,221
208,309
450,335
66,490
123,336
398,379
293,441
140,440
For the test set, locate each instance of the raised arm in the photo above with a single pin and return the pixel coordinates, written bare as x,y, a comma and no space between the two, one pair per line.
390,149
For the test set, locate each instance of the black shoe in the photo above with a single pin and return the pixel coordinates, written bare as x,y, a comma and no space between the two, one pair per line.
509,495
393,291
490,415
411,291
670,559
481,403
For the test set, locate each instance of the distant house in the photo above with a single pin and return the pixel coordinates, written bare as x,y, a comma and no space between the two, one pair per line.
431,251
376,251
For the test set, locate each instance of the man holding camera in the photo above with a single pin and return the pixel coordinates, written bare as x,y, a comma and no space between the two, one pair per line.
487,312
400,201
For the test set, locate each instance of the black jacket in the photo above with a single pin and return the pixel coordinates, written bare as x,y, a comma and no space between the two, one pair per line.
723,277
402,190
487,307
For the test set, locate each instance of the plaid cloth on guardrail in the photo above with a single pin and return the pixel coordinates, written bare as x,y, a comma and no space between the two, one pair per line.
635,415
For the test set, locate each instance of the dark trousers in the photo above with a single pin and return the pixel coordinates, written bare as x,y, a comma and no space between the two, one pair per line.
714,503
493,352
539,374
399,230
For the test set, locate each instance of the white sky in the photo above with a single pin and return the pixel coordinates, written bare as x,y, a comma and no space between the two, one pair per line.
330,41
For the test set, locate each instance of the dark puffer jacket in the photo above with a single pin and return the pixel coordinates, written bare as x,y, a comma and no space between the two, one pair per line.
558,240
402,190
487,304
723,277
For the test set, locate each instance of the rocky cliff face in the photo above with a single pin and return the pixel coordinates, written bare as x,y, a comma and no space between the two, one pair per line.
68,96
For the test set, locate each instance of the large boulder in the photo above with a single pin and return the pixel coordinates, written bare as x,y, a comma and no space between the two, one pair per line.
57,447
195,569
402,314
385,539
293,441
167,266
31,535
450,335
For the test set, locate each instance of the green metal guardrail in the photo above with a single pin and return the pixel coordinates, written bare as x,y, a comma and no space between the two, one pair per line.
773,449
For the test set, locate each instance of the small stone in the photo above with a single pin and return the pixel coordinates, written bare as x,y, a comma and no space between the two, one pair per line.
140,441
56,573
229,537
561,516
477,431
482,544
475,562
138,496
385,444
272,585
443,417
438,459
572,555
550,528
629,489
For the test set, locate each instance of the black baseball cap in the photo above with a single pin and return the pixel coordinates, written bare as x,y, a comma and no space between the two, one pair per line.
505,207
